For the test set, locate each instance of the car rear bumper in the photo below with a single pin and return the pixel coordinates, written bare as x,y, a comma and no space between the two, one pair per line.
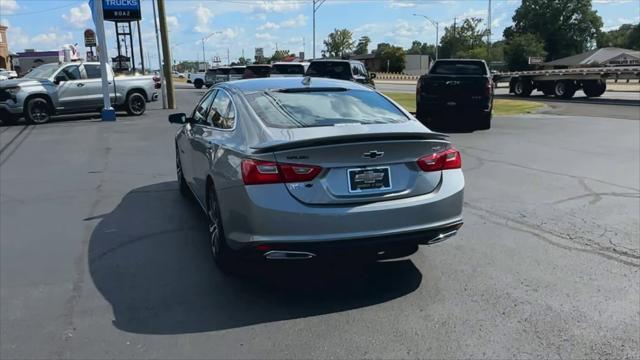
268,214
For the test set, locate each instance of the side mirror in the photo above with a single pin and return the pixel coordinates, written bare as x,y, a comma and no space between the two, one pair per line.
59,79
372,75
180,118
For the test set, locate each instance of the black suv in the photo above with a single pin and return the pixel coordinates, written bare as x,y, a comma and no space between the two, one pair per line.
351,70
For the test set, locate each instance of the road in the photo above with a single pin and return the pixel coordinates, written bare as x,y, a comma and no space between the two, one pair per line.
100,257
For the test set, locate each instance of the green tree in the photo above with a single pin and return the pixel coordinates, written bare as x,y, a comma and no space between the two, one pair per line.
415,49
459,40
633,40
339,43
419,48
566,27
620,37
244,61
362,47
391,55
519,48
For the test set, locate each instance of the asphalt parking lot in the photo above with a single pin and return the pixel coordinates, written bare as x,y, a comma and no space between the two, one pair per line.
100,257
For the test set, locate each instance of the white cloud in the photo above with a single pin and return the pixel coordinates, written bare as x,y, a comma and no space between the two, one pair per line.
475,13
78,16
401,4
278,5
297,21
18,39
53,39
8,7
404,30
173,23
495,23
268,26
264,36
203,16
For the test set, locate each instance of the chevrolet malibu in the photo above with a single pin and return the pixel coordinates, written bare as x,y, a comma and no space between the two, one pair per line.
297,168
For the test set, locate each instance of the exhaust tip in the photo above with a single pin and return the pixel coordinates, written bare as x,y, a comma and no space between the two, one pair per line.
442,237
288,255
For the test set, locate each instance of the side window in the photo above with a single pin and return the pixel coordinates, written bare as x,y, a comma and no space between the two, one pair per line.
71,72
200,113
222,114
93,71
354,70
363,71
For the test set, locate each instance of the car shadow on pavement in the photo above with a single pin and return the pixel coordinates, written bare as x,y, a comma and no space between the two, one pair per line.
150,260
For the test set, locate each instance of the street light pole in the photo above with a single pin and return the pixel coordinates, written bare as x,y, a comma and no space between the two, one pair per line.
437,25
316,6
204,58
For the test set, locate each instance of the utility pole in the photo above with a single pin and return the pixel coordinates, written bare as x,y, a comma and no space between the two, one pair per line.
316,6
162,82
166,55
228,57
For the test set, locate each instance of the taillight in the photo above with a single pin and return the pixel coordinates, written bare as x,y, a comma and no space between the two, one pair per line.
256,172
444,160
488,88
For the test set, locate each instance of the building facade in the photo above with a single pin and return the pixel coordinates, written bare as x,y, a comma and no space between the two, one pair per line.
5,59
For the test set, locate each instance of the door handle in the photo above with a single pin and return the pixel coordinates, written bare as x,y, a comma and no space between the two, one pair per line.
80,85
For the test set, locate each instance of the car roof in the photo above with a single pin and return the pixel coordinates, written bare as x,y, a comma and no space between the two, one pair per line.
264,84
291,63
259,65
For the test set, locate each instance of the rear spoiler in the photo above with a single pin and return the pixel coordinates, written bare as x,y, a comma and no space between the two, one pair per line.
280,145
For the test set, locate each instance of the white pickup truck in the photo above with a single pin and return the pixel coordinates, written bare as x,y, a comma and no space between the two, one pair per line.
71,88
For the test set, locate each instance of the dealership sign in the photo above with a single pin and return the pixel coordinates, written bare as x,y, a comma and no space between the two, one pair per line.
89,38
121,10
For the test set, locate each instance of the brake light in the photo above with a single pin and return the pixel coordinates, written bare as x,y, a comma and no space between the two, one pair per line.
256,172
444,160
488,88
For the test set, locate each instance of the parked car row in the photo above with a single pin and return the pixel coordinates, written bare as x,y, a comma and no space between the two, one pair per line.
350,70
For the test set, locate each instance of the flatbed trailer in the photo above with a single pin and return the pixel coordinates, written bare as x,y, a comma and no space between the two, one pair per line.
564,83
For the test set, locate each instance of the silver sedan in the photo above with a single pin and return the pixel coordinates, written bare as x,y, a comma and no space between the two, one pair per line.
297,168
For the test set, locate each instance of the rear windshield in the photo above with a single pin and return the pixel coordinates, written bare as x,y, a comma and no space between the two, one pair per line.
324,108
223,71
458,68
257,71
292,69
334,70
237,71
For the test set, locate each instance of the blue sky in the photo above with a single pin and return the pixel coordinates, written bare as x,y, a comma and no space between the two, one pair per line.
246,24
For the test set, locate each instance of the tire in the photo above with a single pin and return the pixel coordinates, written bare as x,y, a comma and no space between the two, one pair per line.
485,121
564,89
37,111
522,88
594,88
223,256
182,183
198,84
136,104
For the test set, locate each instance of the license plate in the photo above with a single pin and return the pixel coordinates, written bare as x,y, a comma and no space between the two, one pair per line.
378,178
